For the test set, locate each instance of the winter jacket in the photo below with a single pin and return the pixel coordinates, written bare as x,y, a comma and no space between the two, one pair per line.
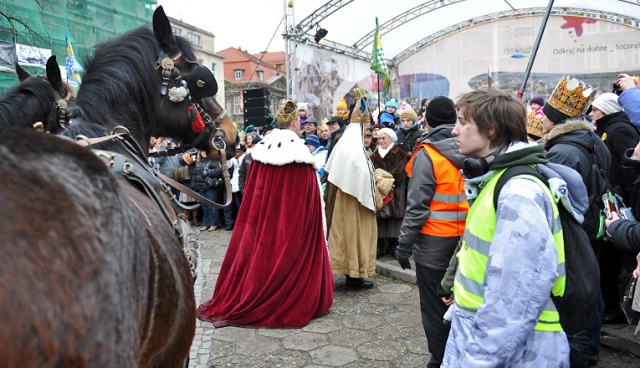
394,162
166,164
518,281
207,175
235,164
407,138
333,139
428,250
562,144
243,171
630,101
630,177
618,134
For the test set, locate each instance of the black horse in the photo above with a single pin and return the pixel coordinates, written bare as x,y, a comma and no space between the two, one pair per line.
92,271
37,99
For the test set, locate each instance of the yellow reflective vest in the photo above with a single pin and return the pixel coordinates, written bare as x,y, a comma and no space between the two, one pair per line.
476,241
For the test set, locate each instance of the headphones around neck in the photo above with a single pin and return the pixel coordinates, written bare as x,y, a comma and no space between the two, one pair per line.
475,166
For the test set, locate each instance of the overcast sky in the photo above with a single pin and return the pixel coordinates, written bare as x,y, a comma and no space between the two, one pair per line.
249,24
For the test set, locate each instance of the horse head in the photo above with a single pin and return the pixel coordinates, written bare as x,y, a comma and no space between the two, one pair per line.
151,83
209,128
38,102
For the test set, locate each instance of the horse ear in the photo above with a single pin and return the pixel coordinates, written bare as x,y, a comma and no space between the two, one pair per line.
53,74
22,73
162,29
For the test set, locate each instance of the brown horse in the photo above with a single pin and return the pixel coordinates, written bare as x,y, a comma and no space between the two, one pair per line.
92,272
37,99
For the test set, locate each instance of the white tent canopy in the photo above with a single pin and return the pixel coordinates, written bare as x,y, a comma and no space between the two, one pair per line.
407,25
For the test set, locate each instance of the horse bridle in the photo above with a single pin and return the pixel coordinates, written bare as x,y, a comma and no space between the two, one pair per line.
172,80
64,116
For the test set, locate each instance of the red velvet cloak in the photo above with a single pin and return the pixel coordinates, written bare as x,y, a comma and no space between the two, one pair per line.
276,272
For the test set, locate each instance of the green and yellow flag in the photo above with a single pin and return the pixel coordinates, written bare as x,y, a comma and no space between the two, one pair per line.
378,64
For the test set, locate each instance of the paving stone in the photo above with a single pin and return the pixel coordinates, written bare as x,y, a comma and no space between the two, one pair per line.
349,337
278,333
404,319
363,322
259,345
234,334
333,356
305,341
394,288
381,350
322,325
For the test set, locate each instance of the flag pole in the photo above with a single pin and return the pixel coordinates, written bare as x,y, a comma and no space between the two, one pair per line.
535,49
379,108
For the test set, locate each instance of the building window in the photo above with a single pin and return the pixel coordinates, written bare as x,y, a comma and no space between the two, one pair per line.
236,105
260,74
176,31
278,67
200,61
194,38
238,73
213,68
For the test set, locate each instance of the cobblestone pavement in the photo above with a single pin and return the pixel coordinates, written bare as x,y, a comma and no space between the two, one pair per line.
379,327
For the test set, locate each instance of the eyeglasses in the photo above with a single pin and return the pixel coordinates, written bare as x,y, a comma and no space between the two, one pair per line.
383,138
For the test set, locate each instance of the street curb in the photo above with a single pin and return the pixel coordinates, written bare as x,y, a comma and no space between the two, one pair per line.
390,270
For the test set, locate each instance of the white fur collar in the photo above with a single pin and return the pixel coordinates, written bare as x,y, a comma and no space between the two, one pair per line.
281,147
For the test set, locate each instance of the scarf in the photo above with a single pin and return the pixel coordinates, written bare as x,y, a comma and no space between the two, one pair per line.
383,151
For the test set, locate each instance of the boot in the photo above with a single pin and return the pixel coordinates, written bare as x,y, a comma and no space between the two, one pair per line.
357,283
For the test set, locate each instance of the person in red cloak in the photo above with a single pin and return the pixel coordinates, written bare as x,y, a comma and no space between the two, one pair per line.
276,271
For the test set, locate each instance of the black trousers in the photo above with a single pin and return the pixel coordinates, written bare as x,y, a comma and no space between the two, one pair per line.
432,309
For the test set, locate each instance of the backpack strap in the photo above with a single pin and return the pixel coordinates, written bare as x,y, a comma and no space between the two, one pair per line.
515,171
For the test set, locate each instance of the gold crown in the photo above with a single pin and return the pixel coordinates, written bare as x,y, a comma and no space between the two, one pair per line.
571,97
534,124
282,116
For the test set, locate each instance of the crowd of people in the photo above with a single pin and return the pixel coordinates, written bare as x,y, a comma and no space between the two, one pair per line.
489,255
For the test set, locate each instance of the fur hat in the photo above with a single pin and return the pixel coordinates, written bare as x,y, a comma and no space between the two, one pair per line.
441,110
607,103
390,133
537,100
569,99
312,140
534,124
303,106
408,113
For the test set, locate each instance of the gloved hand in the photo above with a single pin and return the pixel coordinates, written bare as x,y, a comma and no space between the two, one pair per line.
187,158
403,252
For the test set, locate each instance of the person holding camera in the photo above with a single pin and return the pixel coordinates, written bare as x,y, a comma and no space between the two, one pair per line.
208,181
617,133
628,88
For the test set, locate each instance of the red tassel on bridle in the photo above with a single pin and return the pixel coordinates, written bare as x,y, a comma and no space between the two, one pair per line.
197,124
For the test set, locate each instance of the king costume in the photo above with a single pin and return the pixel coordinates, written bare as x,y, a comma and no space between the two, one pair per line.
276,272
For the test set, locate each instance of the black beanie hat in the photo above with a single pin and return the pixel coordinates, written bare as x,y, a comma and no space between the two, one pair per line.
441,110
554,115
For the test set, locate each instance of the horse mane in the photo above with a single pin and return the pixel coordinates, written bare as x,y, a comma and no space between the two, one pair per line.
27,103
121,82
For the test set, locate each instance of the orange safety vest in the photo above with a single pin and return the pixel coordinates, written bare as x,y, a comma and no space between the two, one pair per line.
449,206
